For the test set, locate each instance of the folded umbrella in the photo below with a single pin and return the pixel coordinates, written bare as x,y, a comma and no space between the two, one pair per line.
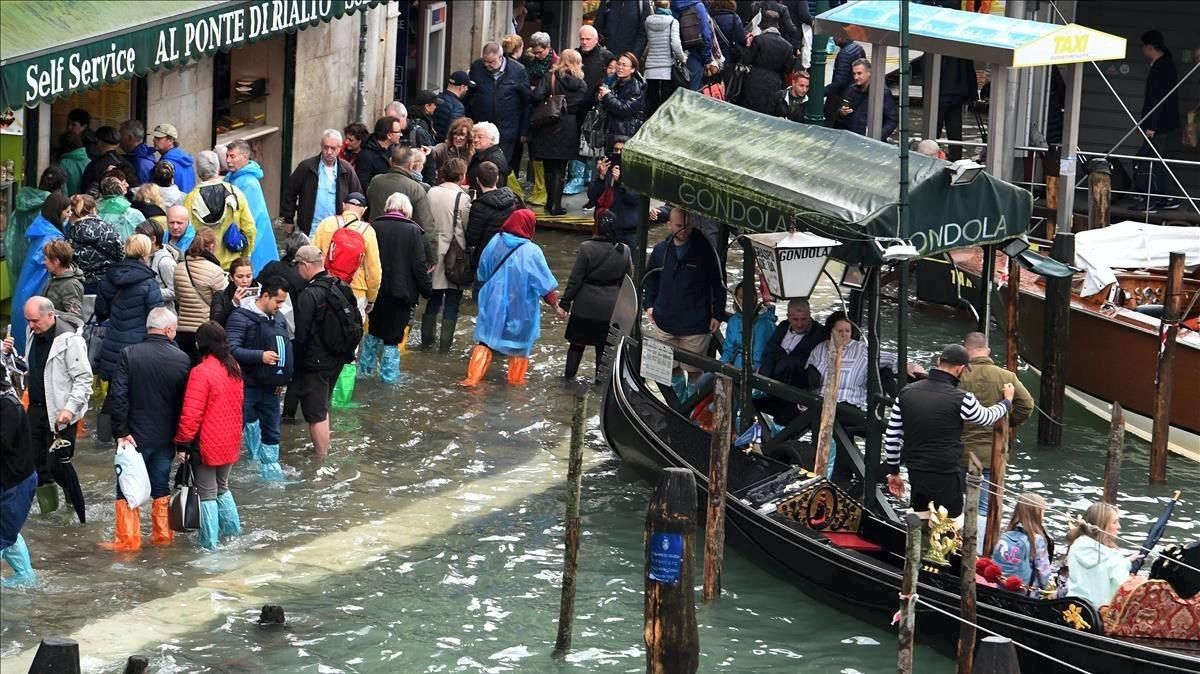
1156,533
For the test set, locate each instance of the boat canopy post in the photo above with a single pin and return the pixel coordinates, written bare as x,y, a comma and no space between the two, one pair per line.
639,261
903,211
749,311
875,397
987,278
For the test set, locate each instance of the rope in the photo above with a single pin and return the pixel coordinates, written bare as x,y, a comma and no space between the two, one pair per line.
996,634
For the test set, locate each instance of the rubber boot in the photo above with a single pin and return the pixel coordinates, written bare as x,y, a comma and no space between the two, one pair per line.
160,518
403,345
446,340
477,365
268,463
517,367
368,355
428,329
47,498
252,437
574,357
679,385
127,532
575,183
209,525
514,184
538,194
227,515
389,367
17,556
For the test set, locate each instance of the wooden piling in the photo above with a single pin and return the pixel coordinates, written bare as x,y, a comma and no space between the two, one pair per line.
908,589
1055,341
1164,379
966,632
1112,462
58,655
136,664
997,467
566,607
996,655
1012,352
833,373
271,615
1050,167
671,636
718,470
1099,193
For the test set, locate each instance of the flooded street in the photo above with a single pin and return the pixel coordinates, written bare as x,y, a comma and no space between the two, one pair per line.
431,541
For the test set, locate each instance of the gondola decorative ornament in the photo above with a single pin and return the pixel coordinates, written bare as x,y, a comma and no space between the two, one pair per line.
943,537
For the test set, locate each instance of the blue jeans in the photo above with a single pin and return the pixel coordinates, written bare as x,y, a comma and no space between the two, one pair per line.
697,67
451,296
259,403
158,467
1150,176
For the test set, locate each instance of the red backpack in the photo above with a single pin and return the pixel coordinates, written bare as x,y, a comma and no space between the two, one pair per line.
347,249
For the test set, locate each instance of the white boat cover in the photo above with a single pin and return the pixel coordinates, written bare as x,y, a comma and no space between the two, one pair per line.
1131,245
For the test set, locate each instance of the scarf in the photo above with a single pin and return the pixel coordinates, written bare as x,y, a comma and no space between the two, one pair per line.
538,68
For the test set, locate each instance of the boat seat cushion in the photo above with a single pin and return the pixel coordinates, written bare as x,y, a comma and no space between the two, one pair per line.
1151,608
851,542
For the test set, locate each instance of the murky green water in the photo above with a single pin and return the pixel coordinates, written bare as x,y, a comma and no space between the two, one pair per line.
430,541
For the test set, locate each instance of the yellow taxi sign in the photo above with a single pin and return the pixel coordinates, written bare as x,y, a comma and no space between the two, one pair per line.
1072,43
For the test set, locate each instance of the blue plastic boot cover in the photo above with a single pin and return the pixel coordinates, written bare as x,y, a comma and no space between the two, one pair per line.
252,436
227,515
389,368
680,386
17,556
209,524
368,355
268,457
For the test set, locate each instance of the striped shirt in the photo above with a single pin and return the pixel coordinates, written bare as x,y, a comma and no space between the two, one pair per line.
852,383
970,410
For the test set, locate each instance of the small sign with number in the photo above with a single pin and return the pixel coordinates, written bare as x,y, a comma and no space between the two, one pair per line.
666,558
658,360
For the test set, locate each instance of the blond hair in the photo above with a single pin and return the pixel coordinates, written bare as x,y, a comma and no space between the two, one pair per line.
571,62
138,246
1095,524
1028,516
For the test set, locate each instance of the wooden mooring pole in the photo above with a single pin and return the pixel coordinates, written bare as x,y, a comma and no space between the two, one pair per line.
966,632
908,596
996,655
718,470
997,467
671,636
1112,462
1050,168
1055,341
833,372
1012,350
566,607
58,655
1163,380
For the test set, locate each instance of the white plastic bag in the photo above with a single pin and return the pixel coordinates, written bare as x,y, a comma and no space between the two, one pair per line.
131,475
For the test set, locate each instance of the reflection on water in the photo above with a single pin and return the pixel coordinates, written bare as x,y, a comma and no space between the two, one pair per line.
430,540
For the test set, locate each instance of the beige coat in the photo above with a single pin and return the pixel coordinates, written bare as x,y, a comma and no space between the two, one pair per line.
443,224
197,280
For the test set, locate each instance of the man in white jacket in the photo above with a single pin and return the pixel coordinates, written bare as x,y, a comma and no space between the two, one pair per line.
59,386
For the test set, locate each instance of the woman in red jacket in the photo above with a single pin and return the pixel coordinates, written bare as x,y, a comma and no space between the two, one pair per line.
212,414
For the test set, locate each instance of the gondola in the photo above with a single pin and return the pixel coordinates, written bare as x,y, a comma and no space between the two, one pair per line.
846,555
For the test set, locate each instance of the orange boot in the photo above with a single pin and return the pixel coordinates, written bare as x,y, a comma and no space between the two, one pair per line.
477,366
161,534
128,530
517,367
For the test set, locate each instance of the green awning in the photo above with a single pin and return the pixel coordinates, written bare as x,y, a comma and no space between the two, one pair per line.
762,174
54,48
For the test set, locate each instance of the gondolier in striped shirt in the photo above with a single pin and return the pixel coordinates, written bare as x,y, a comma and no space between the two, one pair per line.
927,422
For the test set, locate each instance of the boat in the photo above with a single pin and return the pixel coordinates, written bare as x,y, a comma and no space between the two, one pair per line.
851,557
1114,322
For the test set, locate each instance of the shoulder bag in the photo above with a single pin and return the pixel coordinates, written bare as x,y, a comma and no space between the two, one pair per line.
183,511
456,264
550,111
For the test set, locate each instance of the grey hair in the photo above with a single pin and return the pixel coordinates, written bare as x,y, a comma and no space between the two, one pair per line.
399,202
491,49
208,164
799,305
134,128
861,62
488,128
332,133
396,109
929,147
161,318
588,28
43,305
241,146
539,39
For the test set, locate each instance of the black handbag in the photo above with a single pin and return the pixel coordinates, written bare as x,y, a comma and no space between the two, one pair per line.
456,264
681,74
593,133
736,81
550,111
184,507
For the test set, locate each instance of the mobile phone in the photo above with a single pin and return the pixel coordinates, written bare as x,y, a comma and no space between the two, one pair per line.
254,290
846,103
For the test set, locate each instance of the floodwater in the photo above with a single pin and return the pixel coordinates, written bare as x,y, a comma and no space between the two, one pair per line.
430,541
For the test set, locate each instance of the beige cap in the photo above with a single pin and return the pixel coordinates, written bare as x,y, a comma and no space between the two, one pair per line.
309,254
165,131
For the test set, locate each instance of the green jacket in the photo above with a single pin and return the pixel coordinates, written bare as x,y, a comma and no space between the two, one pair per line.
28,205
66,292
116,211
986,380
73,163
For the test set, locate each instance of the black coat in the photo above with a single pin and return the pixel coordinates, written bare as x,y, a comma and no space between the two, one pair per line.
493,154
560,140
286,271
770,59
503,102
146,393
128,291
789,107
300,192
17,456
624,105
734,33
622,25
1161,79
222,305
595,279
95,170
626,206
310,310
488,213
787,27
843,65
860,116
372,160
595,63
790,368
402,258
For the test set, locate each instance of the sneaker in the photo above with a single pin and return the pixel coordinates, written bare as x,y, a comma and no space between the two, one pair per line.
1168,204
1143,206
588,209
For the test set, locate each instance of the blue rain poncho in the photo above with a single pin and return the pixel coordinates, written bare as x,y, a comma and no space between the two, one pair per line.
247,179
510,311
33,277
764,327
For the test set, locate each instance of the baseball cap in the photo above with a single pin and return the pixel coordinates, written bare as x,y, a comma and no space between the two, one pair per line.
355,198
165,131
309,254
461,77
425,97
955,354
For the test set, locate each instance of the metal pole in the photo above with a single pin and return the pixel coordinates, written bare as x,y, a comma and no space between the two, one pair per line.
988,280
875,397
1066,165
639,261
930,91
816,91
360,98
902,214
997,122
875,94
749,306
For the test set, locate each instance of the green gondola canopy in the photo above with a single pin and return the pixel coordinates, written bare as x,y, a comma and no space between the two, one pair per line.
760,173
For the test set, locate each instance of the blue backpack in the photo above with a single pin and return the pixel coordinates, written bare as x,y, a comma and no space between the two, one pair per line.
1012,555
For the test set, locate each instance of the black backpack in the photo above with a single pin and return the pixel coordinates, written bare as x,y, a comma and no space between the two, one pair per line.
690,34
341,325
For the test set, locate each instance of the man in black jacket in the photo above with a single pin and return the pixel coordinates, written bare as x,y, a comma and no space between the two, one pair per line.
501,96
376,153
622,24
18,483
785,356
849,51
489,210
854,114
145,399
1160,122
304,205
108,144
